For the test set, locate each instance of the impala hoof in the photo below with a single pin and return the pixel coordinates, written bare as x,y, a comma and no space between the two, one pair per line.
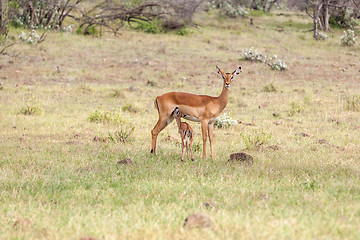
152,151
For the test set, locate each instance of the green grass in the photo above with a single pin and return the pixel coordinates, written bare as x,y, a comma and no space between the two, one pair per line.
57,182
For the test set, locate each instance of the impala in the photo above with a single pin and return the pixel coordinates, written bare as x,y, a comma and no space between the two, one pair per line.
186,134
198,108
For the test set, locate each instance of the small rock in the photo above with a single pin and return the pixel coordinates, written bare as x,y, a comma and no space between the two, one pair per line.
274,147
126,161
322,141
303,134
241,158
99,139
197,221
276,114
209,205
278,122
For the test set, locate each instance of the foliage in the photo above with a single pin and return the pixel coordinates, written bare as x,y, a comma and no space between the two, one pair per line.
348,38
256,139
40,13
295,108
30,109
274,62
122,135
353,103
100,116
228,8
32,39
270,87
153,26
129,107
225,121
254,55
322,36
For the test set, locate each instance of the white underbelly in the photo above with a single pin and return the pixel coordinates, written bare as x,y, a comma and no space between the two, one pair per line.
190,118
195,119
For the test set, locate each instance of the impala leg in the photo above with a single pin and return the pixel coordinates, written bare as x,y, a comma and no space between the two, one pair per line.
204,125
187,149
159,126
211,138
190,146
182,149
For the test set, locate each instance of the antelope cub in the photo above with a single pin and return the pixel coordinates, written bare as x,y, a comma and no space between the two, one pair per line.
186,134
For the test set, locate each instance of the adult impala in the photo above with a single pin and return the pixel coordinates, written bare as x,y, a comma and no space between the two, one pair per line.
198,108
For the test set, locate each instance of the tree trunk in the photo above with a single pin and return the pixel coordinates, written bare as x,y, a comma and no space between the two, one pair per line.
325,16
3,16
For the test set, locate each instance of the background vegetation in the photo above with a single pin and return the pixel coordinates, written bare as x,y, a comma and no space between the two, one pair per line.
74,106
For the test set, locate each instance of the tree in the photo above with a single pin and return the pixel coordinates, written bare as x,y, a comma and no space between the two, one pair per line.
4,5
316,7
265,5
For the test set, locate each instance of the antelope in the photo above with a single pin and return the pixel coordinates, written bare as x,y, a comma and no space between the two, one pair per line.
186,134
199,108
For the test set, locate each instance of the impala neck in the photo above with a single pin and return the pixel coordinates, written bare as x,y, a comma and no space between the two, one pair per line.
223,98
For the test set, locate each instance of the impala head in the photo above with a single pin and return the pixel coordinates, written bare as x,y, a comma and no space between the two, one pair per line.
228,77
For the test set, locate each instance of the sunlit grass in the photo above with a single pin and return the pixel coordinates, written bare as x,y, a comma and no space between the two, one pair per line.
301,126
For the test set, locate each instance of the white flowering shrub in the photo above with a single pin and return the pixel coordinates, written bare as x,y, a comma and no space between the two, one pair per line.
225,121
228,8
274,62
277,64
233,11
252,54
349,38
32,39
322,36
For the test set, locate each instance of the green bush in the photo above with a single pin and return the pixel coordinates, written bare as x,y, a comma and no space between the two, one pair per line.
256,139
30,109
122,135
153,26
99,116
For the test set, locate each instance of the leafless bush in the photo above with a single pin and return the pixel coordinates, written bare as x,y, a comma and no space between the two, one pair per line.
41,13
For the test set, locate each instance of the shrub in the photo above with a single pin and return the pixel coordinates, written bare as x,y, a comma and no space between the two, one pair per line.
276,64
228,8
99,116
32,39
270,87
225,121
349,38
129,107
153,26
353,103
294,109
254,55
322,36
30,109
122,135
256,139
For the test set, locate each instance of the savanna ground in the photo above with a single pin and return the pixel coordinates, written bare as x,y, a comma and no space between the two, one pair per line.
58,170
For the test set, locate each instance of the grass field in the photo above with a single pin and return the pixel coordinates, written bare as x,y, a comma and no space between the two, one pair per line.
69,104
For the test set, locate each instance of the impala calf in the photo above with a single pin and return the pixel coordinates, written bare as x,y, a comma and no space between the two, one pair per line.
199,108
186,134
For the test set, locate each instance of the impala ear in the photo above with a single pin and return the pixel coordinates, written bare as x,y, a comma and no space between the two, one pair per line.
236,72
220,72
